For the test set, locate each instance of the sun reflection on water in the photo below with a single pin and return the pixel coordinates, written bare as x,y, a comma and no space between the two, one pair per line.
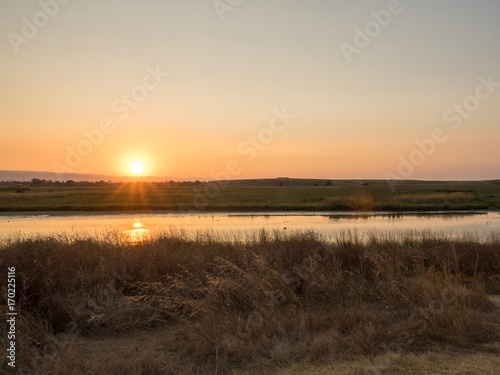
136,235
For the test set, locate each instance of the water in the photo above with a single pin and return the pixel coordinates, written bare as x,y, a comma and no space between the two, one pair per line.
136,227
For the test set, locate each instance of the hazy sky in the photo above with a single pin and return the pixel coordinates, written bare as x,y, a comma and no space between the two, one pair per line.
357,88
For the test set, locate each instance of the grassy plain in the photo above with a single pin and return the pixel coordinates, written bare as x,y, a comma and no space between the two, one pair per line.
412,303
343,195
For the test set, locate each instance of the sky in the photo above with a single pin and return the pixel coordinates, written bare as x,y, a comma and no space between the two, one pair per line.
252,89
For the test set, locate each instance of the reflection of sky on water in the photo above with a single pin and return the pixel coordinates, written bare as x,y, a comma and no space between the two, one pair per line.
446,216
139,227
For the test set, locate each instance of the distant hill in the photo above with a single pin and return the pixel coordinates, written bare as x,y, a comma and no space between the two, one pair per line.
6,175
28,175
285,181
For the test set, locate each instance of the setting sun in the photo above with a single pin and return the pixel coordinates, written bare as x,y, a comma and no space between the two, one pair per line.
136,167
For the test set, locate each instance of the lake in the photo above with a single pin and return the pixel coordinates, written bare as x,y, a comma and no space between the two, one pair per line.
136,227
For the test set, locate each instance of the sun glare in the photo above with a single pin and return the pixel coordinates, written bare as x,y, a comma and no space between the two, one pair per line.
136,167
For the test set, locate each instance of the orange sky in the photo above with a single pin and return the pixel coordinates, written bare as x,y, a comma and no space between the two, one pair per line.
186,91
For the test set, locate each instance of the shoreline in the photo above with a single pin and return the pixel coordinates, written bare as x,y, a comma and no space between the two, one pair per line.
311,212
250,209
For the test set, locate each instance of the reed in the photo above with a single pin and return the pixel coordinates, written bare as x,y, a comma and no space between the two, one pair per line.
210,304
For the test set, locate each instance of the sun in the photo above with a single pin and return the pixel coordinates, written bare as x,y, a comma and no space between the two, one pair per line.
136,167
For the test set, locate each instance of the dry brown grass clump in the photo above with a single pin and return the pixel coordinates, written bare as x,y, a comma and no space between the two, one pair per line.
274,300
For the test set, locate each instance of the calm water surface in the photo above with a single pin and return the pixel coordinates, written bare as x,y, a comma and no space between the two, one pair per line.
136,227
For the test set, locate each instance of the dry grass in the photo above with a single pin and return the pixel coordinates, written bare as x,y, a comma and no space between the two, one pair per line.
174,305
442,362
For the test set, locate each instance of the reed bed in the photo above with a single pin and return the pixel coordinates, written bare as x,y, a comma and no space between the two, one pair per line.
176,304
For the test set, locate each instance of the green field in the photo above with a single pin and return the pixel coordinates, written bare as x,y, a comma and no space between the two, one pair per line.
264,196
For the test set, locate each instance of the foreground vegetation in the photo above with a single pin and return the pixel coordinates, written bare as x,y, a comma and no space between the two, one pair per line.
273,303
340,196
